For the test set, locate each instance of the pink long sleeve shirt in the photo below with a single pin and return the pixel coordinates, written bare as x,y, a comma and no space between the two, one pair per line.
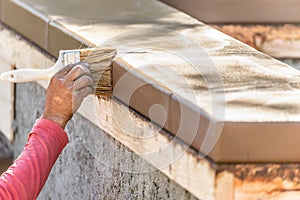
28,174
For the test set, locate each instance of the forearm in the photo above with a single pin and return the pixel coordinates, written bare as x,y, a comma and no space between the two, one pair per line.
26,177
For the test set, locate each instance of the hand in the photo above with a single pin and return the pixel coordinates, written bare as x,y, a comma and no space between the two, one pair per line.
66,91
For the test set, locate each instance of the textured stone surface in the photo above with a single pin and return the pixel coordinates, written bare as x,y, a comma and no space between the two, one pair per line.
5,149
79,175
5,153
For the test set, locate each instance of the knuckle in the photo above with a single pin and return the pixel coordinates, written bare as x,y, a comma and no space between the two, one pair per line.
87,70
87,91
88,79
85,80
55,79
91,90
69,67
63,81
84,67
78,68
69,87
85,64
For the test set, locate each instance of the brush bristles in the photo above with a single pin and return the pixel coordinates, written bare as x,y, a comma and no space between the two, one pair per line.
100,65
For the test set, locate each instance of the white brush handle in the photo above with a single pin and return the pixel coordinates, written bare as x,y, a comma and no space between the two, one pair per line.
66,57
26,75
29,75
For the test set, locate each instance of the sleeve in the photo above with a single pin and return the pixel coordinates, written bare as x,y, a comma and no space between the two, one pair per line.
25,178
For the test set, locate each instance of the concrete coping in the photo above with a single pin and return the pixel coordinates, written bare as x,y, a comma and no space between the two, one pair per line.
220,96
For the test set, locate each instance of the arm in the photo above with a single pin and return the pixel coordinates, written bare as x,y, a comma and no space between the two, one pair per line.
26,177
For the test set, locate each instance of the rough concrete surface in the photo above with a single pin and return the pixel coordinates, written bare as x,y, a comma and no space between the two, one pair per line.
5,153
77,174
292,62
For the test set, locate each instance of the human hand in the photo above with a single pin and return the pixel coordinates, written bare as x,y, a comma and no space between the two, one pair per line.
66,91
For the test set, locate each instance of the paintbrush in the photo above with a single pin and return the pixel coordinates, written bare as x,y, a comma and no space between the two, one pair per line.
99,60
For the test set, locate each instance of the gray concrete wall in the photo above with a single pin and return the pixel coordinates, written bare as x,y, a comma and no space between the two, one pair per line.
78,174
5,153
292,62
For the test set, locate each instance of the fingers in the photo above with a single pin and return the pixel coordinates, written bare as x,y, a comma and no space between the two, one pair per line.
83,86
79,95
83,81
66,91
76,72
83,92
64,71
